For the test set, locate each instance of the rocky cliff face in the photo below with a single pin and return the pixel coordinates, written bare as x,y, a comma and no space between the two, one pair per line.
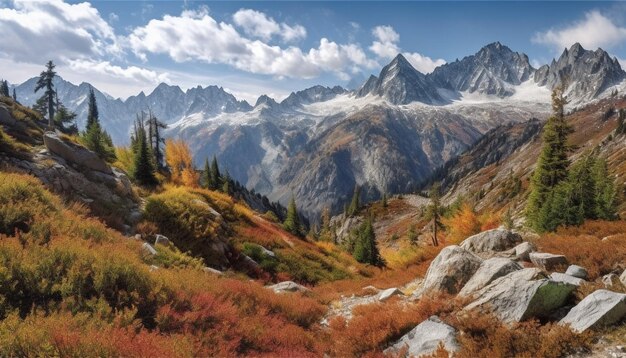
587,73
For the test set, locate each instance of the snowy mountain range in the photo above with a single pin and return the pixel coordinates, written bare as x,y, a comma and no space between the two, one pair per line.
388,135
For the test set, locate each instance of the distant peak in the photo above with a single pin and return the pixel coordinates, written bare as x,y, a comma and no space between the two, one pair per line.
577,47
263,99
400,59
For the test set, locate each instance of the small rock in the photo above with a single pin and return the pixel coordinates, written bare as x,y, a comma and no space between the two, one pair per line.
547,261
287,286
388,293
563,277
523,250
148,249
212,270
599,309
425,338
495,240
153,268
162,240
577,271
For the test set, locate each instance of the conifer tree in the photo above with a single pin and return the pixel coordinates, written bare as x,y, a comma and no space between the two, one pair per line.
385,200
206,174
95,137
215,174
4,88
365,249
226,187
14,95
92,110
621,126
434,212
292,222
45,82
605,195
326,232
355,203
552,166
143,169
156,139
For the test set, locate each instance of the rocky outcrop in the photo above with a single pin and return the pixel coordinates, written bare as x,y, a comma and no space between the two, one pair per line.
547,261
521,295
5,116
450,270
287,286
488,271
601,308
425,338
74,153
495,240
577,271
523,250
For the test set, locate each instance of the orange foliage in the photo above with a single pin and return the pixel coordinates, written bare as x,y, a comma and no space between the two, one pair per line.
584,245
466,222
180,161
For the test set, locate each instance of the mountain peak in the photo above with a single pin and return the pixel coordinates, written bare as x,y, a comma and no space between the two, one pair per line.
265,99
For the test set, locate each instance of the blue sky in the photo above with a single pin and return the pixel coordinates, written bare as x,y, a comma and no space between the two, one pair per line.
255,47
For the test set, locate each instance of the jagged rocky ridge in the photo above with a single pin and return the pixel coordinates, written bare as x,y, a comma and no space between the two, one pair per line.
388,136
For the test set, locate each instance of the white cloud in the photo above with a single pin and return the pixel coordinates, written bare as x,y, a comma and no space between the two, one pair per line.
595,30
38,31
180,36
257,24
113,17
129,73
385,46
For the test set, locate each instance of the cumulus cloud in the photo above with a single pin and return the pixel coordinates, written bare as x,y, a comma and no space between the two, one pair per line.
385,46
595,30
129,73
257,24
39,31
179,36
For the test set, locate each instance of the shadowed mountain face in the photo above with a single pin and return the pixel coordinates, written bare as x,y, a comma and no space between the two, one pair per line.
387,136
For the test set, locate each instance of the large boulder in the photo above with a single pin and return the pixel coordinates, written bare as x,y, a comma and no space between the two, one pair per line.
488,271
5,116
521,295
523,250
599,309
564,277
495,240
425,338
577,271
450,270
547,261
287,286
75,153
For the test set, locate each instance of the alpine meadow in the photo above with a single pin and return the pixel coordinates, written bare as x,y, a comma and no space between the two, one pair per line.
312,179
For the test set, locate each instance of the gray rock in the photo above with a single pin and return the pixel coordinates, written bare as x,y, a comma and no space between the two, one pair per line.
547,261
488,271
75,153
5,117
523,250
148,249
212,270
425,338
287,286
599,309
577,271
153,268
520,295
495,240
623,278
388,293
162,240
451,270
564,277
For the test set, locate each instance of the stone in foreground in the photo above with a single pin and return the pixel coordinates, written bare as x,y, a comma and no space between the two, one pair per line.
495,240
577,271
450,270
547,261
563,277
523,250
599,309
75,153
388,293
488,271
521,295
287,286
424,339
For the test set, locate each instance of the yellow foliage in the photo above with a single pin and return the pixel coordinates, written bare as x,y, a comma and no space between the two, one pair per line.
125,158
180,161
463,224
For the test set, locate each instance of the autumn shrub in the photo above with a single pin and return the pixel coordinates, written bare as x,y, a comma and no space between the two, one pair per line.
172,257
584,246
466,222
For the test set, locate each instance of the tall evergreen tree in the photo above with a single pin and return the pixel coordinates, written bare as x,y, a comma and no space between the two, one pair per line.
206,174
365,249
14,95
292,221
605,195
45,82
355,203
552,165
143,169
92,110
227,186
434,211
95,137
156,139
215,175
4,88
